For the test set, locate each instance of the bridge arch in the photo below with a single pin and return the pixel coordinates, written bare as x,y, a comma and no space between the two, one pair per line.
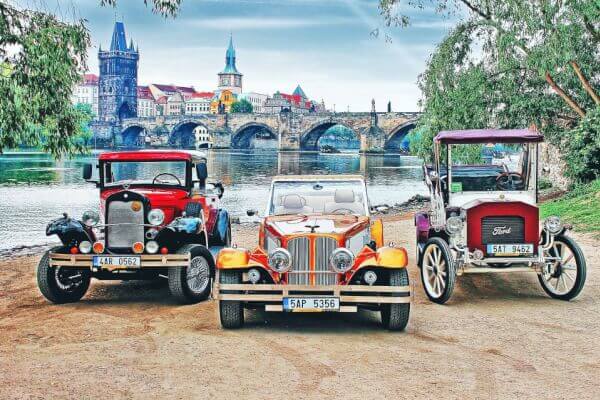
132,136
183,135
309,140
244,136
395,140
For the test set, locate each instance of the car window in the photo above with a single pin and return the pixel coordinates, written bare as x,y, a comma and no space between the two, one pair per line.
148,172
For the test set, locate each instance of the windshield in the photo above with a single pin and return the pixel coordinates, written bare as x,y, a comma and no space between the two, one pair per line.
318,197
491,167
145,173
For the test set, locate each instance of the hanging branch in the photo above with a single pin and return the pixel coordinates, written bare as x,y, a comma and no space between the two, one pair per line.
586,84
564,96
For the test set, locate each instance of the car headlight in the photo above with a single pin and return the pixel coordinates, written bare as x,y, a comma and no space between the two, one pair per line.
90,218
553,224
341,260
454,225
152,247
156,216
280,260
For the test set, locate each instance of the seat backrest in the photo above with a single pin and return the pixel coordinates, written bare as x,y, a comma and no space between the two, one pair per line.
293,204
344,199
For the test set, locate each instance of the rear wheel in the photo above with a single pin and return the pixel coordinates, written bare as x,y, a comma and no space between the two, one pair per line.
438,272
61,285
564,278
231,313
395,316
191,284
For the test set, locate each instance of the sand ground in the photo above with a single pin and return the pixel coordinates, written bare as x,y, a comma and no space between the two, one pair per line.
499,337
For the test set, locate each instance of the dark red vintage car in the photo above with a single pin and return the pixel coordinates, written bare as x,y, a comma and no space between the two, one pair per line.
484,216
157,218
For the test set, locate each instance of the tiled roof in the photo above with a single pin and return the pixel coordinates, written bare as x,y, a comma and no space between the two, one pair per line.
173,88
90,79
143,92
207,95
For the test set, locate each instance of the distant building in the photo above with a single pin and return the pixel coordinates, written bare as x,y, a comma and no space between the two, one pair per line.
87,92
256,99
199,103
297,102
230,78
175,104
159,90
146,104
222,101
117,86
203,138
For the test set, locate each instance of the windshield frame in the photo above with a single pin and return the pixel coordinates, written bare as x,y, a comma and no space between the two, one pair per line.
186,184
366,202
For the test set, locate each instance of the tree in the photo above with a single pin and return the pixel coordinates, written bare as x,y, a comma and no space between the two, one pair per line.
242,106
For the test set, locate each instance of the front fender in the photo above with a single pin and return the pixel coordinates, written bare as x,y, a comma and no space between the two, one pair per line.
237,258
385,257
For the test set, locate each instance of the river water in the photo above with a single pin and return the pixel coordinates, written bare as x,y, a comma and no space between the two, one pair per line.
34,188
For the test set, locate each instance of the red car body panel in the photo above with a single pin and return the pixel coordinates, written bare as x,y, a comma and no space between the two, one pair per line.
156,155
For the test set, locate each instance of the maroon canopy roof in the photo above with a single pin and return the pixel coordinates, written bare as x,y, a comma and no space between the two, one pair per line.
489,136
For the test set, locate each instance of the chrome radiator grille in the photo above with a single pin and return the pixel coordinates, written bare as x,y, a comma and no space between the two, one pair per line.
125,233
302,251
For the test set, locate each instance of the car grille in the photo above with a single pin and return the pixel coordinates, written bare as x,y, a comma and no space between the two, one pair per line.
125,233
502,230
301,251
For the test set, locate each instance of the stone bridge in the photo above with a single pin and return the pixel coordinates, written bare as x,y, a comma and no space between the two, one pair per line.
376,132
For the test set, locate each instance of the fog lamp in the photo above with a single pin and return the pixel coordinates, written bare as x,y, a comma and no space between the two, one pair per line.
454,225
341,260
74,250
553,224
98,247
370,277
152,247
138,247
253,275
90,218
85,247
280,260
478,254
156,216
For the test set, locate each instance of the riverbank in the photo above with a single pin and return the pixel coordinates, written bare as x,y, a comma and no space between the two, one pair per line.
500,336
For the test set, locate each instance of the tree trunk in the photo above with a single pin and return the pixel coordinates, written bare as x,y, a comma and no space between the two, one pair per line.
564,96
586,84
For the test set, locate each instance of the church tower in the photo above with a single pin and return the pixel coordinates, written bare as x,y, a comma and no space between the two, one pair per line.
230,78
117,86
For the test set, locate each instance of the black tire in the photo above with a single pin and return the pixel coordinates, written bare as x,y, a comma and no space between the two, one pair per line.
231,313
193,209
450,269
216,240
178,276
581,270
48,284
395,316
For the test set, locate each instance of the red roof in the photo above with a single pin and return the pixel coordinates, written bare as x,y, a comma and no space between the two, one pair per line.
293,98
173,88
90,79
162,100
149,155
143,92
204,95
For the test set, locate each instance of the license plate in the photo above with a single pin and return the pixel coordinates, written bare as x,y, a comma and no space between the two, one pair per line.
116,261
510,249
311,304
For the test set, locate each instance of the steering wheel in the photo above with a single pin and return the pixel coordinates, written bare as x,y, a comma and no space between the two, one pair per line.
510,181
339,211
168,174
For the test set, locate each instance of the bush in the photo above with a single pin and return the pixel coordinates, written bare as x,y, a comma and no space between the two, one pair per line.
583,149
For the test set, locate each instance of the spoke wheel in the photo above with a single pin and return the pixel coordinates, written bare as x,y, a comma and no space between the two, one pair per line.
563,277
192,283
437,270
198,275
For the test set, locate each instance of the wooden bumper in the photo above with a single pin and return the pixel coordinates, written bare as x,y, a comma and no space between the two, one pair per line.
352,294
84,261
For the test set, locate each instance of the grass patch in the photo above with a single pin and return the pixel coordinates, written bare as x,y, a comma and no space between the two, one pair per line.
580,207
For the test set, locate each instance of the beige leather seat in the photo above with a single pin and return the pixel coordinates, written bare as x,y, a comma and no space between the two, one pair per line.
293,204
345,202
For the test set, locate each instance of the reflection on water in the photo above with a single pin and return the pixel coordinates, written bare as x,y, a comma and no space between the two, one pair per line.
34,188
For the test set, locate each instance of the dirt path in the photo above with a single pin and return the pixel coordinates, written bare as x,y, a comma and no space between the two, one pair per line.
499,337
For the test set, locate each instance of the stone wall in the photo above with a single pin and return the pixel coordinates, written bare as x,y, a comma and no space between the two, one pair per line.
552,166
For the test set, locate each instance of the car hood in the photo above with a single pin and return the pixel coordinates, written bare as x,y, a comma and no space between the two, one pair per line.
319,224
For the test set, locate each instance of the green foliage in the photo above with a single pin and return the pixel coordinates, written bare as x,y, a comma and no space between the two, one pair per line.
167,8
85,134
242,106
579,207
544,183
583,147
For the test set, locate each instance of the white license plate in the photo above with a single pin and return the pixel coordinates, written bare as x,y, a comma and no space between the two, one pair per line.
311,304
116,261
510,249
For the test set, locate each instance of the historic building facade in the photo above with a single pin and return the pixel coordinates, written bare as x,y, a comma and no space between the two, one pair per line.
230,78
117,85
87,92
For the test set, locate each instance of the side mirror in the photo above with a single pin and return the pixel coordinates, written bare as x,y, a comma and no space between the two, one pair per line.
88,170
219,189
202,173
251,213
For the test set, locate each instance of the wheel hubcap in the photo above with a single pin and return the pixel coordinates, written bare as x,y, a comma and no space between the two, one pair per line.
198,274
559,275
67,280
435,271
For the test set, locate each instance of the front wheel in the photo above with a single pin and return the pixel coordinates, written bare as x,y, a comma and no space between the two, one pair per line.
564,277
231,312
191,284
61,285
438,272
395,316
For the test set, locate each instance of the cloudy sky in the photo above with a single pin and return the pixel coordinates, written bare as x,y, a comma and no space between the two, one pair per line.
324,45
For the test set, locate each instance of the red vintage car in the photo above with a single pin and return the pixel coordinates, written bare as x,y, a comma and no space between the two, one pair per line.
484,215
157,218
318,251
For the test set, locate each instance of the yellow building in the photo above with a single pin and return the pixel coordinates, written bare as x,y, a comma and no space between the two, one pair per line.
225,99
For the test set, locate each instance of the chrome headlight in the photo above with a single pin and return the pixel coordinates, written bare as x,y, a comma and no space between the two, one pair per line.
341,260
454,225
156,216
280,260
90,218
152,247
553,224
85,247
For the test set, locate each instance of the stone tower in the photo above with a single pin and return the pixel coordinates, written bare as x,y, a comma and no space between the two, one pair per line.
117,87
230,78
